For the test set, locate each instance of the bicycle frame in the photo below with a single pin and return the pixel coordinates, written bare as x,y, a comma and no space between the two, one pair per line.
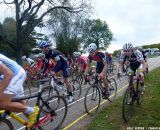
39,121
131,84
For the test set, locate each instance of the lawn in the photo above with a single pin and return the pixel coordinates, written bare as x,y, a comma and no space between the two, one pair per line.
146,116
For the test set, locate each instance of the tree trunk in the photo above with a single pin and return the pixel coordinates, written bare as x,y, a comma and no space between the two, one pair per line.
18,34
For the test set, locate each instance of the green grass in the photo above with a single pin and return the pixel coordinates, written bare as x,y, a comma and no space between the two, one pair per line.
146,115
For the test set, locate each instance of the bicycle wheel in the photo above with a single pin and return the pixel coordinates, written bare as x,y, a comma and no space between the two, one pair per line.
127,106
5,124
57,115
112,88
92,99
46,93
76,88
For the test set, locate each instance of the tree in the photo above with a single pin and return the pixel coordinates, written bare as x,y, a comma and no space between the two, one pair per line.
8,39
66,27
30,13
96,31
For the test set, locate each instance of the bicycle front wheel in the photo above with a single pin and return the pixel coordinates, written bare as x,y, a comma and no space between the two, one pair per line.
46,93
76,88
57,108
112,88
5,124
127,107
92,100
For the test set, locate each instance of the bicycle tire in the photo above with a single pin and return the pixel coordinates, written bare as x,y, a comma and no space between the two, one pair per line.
46,93
5,124
127,113
112,88
92,107
77,88
50,105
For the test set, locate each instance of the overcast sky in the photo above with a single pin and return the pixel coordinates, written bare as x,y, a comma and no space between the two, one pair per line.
135,21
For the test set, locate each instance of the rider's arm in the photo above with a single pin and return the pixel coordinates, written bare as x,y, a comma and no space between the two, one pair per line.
140,58
7,77
89,60
105,65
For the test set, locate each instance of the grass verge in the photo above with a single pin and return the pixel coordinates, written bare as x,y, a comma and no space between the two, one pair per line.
146,116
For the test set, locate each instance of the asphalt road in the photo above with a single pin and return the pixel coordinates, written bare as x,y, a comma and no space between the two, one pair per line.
77,119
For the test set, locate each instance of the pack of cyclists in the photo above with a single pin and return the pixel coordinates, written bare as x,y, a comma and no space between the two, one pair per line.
52,61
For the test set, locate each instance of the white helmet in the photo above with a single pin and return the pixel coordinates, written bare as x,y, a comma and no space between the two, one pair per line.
41,55
23,57
92,47
127,46
76,54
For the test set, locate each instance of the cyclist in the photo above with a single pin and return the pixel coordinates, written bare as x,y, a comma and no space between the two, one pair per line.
101,67
29,61
80,61
11,86
60,65
136,62
109,57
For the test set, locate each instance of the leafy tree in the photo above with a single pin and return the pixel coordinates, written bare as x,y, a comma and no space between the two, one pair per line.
8,38
96,31
30,14
66,27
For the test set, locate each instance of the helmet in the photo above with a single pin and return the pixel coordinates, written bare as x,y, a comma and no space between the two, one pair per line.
43,44
92,47
127,46
76,54
40,55
23,57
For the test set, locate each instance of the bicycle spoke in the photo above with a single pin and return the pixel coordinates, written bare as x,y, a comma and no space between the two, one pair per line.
112,89
5,124
57,107
92,100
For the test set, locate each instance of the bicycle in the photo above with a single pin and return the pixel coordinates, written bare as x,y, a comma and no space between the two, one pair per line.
55,85
52,119
93,94
132,94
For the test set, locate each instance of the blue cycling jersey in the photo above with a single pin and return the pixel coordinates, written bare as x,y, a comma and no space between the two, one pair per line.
12,65
61,62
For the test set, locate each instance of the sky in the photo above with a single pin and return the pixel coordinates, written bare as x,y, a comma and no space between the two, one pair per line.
135,21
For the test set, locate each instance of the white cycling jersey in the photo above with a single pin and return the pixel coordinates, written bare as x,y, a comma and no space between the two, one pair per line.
15,86
12,65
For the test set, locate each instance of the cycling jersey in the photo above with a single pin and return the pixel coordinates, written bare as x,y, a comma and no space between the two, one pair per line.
61,62
135,59
82,61
100,58
15,86
12,65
